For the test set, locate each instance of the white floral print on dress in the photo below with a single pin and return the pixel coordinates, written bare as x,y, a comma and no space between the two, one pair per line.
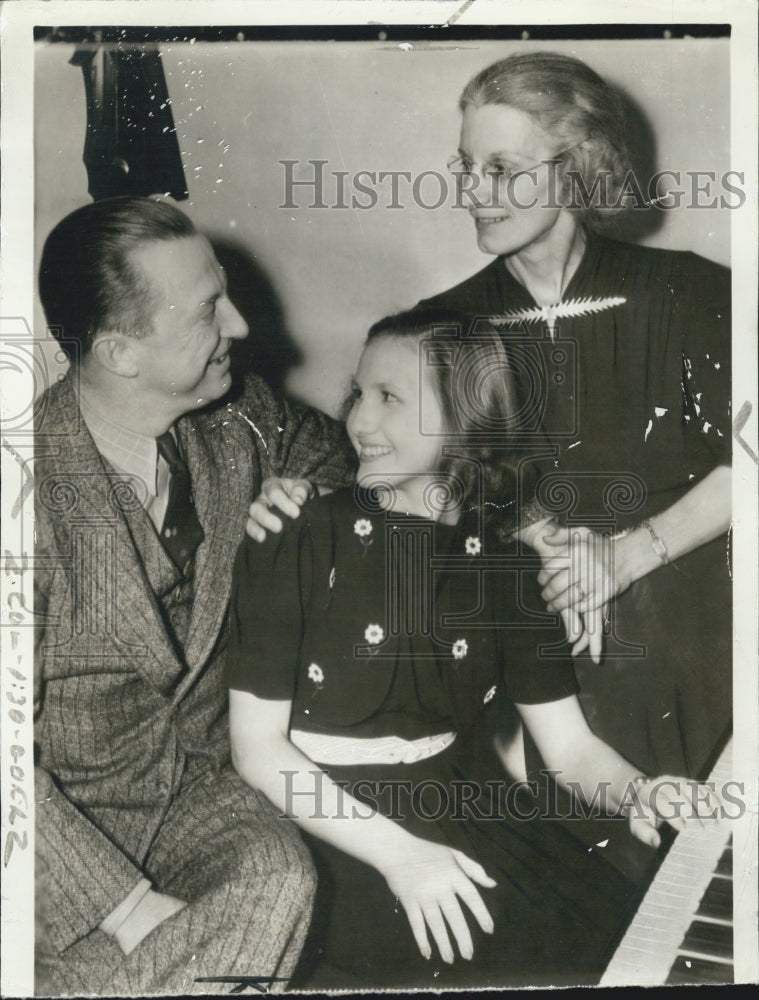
489,695
374,634
362,527
332,578
460,649
473,546
315,673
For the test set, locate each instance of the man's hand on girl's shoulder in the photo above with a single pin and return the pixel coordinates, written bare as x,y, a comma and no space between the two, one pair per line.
287,495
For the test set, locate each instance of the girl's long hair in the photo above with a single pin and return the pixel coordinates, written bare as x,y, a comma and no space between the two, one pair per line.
473,378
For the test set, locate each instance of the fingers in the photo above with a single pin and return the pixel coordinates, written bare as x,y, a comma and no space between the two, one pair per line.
556,535
288,495
576,632
436,924
566,536
681,803
479,911
301,491
644,831
581,645
685,804
474,870
432,886
580,575
564,590
572,625
585,631
442,912
552,568
418,928
642,818
594,626
260,520
708,802
559,536
451,909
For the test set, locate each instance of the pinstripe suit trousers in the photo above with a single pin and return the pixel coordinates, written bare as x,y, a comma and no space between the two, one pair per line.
246,876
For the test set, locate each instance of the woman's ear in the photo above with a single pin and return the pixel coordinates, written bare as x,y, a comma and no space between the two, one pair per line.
115,352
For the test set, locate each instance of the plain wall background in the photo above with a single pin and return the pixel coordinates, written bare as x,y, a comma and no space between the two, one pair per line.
311,281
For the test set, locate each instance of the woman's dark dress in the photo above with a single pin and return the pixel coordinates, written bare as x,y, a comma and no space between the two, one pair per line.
460,639
635,401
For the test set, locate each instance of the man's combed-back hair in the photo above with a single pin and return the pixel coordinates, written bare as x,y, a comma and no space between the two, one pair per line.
573,103
472,378
88,280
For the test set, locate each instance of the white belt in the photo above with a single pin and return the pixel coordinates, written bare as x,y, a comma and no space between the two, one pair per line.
328,749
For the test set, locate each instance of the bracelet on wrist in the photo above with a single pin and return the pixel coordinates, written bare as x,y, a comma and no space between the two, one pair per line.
656,543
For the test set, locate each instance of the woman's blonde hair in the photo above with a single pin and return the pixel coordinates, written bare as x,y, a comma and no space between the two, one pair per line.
571,102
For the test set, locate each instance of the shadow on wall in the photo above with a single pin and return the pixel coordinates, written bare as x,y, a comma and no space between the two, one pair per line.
268,350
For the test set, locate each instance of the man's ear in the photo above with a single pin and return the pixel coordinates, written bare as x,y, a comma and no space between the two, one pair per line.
116,353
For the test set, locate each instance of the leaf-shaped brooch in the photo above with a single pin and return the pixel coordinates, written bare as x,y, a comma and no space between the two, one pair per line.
559,310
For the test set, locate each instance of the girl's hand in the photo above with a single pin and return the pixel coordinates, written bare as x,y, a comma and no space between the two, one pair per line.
430,880
684,804
288,495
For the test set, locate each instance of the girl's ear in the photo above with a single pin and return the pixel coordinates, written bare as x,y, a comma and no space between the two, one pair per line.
116,353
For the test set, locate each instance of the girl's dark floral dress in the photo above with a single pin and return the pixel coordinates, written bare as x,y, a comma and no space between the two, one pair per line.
380,625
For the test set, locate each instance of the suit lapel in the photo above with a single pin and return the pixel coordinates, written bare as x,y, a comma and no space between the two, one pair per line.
220,462
138,631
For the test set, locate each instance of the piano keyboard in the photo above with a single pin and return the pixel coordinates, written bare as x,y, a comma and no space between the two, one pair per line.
682,932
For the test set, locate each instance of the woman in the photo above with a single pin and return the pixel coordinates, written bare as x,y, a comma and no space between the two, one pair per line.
373,643
627,368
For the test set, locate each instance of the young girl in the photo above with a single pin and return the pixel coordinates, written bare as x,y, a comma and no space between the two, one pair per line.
372,642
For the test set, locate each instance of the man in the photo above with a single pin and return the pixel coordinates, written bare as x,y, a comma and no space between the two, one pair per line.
157,866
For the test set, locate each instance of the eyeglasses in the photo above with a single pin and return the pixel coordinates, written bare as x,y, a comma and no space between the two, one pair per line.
498,171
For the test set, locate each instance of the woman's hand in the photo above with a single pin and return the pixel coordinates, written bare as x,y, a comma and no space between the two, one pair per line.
430,880
288,495
581,570
564,555
682,803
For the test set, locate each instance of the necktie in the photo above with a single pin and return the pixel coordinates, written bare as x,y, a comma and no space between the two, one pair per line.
181,533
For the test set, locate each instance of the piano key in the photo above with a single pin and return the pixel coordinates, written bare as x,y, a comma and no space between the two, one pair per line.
717,901
725,865
649,948
690,971
712,940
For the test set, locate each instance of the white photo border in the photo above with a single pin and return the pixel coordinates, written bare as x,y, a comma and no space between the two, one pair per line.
18,376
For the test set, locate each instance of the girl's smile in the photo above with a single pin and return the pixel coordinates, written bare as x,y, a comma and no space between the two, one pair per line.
396,423
368,452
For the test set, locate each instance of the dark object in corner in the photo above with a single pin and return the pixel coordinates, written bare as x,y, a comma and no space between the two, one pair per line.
131,146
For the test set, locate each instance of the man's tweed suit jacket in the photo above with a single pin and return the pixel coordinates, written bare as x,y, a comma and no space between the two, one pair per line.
119,704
